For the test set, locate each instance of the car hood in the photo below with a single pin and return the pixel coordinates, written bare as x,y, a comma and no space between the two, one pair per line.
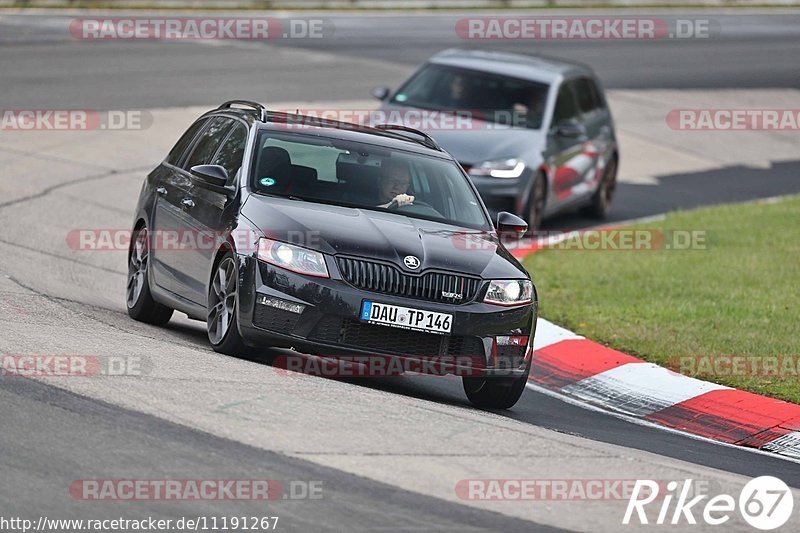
383,236
480,141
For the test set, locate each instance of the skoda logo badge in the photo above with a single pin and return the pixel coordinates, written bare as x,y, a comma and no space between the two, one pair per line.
411,262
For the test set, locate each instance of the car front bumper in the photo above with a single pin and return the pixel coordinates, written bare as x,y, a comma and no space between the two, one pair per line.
317,315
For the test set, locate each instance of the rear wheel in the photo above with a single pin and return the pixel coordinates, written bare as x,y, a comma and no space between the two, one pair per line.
536,202
223,296
601,201
496,393
140,303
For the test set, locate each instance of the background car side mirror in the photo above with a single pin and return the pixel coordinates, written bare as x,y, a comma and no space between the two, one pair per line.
381,93
510,225
210,175
570,129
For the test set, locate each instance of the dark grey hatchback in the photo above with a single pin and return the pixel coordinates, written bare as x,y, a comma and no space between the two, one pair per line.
289,231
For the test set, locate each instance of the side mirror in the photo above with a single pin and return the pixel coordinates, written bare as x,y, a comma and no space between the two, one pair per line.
510,225
210,175
570,129
381,93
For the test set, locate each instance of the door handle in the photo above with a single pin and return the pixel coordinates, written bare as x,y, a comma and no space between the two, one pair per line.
187,203
161,190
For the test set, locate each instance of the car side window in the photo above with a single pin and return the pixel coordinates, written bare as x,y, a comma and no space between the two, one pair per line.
206,146
566,107
231,152
587,98
183,143
598,96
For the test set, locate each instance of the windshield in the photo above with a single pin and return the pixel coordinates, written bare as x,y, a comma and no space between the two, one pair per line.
494,98
367,176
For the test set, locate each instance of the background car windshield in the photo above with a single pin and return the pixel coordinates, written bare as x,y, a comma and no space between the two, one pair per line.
494,98
365,176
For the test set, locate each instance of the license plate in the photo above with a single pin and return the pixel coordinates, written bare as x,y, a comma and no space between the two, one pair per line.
405,317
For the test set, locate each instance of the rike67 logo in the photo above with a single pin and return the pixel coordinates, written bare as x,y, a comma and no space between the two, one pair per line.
765,503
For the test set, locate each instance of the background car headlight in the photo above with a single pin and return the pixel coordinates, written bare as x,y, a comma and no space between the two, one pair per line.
509,292
504,168
292,257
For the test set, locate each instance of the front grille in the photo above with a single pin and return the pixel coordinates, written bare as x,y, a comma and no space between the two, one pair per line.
384,339
273,319
387,279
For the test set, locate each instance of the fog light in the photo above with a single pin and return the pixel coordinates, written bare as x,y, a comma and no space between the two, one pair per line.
513,340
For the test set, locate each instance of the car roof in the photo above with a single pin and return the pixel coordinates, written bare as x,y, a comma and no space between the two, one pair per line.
534,68
407,139
361,134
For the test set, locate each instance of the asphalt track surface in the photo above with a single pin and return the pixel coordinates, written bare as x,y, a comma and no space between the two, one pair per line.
51,436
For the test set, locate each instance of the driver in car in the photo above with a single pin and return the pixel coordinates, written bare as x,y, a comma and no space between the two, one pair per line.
393,184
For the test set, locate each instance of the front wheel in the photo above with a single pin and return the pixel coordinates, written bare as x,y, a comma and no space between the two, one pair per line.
496,393
223,300
536,203
140,303
601,201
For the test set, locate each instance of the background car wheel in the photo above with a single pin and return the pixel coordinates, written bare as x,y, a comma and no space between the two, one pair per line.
140,303
536,202
223,299
496,393
601,201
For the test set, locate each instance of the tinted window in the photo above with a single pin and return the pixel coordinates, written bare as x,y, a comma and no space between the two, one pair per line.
232,150
598,96
365,176
566,107
208,142
491,97
177,151
587,97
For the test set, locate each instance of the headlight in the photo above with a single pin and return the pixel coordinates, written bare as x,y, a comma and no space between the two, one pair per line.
505,168
509,292
291,257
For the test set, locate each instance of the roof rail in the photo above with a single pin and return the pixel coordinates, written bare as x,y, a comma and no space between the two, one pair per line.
427,140
247,103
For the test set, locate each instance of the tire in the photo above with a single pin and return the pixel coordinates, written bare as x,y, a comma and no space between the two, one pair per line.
601,201
536,203
222,309
139,301
496,393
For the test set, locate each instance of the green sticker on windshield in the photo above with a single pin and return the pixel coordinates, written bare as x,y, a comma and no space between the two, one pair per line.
267,182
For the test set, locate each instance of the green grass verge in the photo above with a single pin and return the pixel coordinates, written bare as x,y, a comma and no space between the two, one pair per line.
740,296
